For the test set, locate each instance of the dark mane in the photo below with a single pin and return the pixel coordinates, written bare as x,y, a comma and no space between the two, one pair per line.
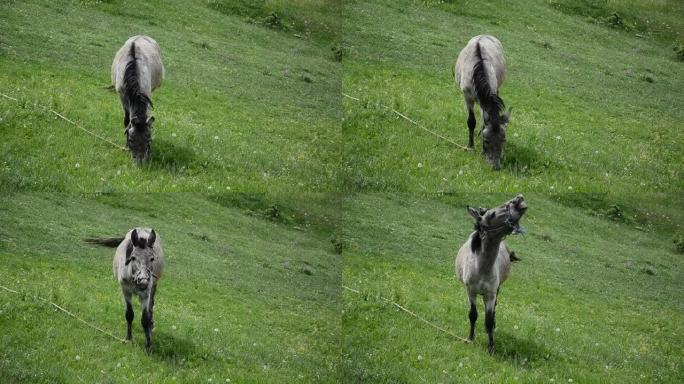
489,101
475,242
136,99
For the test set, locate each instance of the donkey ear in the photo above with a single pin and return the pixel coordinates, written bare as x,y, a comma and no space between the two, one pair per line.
151,238
134,238
475,214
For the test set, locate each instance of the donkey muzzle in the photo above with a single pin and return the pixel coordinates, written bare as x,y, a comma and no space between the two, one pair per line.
142,282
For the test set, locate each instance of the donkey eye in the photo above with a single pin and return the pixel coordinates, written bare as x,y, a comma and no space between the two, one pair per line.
151,258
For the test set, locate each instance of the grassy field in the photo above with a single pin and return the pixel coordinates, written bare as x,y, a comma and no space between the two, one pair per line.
250,101
597,297
284,191
594,106
251,292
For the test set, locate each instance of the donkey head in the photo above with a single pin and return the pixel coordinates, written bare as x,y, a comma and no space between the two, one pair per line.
494,137
140,257
138,136
502,220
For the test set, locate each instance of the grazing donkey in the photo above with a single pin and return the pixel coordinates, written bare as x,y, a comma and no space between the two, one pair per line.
137,70
138,264
479,72
483,262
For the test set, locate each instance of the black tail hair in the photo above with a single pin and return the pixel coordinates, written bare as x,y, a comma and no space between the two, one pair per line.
111,242
137,100
513,257
489,101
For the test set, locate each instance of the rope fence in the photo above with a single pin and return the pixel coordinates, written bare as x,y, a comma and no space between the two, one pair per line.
433,325
70,314
72,123
414,123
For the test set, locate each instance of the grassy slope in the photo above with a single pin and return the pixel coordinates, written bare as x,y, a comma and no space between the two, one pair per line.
245,105
233,303
584,118
580,305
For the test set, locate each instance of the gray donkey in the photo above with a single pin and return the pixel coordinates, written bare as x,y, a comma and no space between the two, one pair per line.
137,70
138,265
479,72
484,261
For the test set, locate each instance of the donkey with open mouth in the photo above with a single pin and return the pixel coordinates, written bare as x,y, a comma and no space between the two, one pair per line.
484,261
138,265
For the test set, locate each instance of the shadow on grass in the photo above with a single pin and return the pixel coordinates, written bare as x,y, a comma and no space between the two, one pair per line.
170,157
519,351
172,348
521,160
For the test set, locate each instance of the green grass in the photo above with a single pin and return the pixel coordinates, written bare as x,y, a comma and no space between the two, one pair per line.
594,107
245,296
284,190
245,106
595,298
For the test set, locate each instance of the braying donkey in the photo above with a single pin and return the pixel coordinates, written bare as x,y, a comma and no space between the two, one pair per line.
483,262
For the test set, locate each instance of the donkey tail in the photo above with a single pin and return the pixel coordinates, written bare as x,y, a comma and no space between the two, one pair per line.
111,242
513,257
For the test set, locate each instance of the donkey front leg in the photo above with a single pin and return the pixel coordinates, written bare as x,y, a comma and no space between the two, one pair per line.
471,121
472,315
490,320
127,115
154,291
147,322
129,315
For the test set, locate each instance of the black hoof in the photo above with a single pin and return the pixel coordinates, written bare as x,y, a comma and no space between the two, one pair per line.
491,349
148,349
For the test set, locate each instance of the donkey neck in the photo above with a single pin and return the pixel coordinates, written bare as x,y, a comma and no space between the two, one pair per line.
489,250
139,106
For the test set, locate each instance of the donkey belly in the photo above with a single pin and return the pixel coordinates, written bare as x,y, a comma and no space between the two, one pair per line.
482,286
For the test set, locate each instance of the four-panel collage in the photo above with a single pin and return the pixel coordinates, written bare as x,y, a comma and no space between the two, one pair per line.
341,191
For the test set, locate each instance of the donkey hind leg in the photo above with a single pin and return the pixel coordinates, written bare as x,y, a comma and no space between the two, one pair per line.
471,120
490,320
472,315
129,315
146,322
